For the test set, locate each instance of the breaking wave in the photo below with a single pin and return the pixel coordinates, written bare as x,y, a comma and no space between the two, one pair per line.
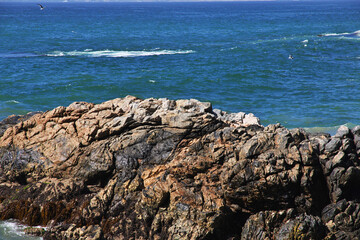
13,230
13,102
103,53
355,34
117,54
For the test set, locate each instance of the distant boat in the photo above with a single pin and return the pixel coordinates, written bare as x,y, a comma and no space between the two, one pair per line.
41,7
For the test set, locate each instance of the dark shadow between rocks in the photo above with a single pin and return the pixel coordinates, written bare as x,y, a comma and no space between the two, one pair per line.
100,179
229,225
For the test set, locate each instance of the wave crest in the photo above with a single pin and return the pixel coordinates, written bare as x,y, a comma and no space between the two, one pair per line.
355,34
117,54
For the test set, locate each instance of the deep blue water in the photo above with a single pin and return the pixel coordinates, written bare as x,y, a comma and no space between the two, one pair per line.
234,54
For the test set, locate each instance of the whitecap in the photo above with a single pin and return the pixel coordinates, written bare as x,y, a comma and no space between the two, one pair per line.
152,81
331,34
55,54
117,54
13,101
305,41
355,34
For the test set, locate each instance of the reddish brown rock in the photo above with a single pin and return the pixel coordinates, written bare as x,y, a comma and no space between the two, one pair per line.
163,169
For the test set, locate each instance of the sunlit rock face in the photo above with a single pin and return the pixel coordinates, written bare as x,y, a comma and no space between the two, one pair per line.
163,169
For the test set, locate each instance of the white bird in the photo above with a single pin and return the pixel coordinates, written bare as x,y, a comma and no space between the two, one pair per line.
41,7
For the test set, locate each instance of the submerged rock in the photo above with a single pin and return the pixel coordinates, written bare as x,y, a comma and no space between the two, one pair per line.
164,169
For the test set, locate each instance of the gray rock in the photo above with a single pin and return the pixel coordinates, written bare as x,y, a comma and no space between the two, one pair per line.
356,130
302,227
342,220
343,132
282,225
333,145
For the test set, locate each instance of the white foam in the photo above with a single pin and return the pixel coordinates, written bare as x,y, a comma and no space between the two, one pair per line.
12,229
117,54
305,42
345,34
332,34
55,54
13,101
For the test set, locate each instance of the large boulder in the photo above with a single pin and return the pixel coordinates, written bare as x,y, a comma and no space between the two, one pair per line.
164,169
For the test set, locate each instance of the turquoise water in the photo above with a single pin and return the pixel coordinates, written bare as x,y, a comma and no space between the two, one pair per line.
234,54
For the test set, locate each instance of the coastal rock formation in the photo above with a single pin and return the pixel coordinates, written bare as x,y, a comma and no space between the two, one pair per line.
164,169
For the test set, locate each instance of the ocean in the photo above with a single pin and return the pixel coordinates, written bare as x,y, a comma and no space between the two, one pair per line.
296,63
13,230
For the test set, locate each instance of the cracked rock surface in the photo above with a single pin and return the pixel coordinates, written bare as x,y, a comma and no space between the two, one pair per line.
163,169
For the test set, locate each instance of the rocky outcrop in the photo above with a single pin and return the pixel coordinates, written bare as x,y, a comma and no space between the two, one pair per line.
164,169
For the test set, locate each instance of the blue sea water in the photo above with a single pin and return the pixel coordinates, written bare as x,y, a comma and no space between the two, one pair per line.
233,54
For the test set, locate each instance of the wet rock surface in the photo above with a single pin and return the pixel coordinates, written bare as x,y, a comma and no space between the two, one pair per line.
163,169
